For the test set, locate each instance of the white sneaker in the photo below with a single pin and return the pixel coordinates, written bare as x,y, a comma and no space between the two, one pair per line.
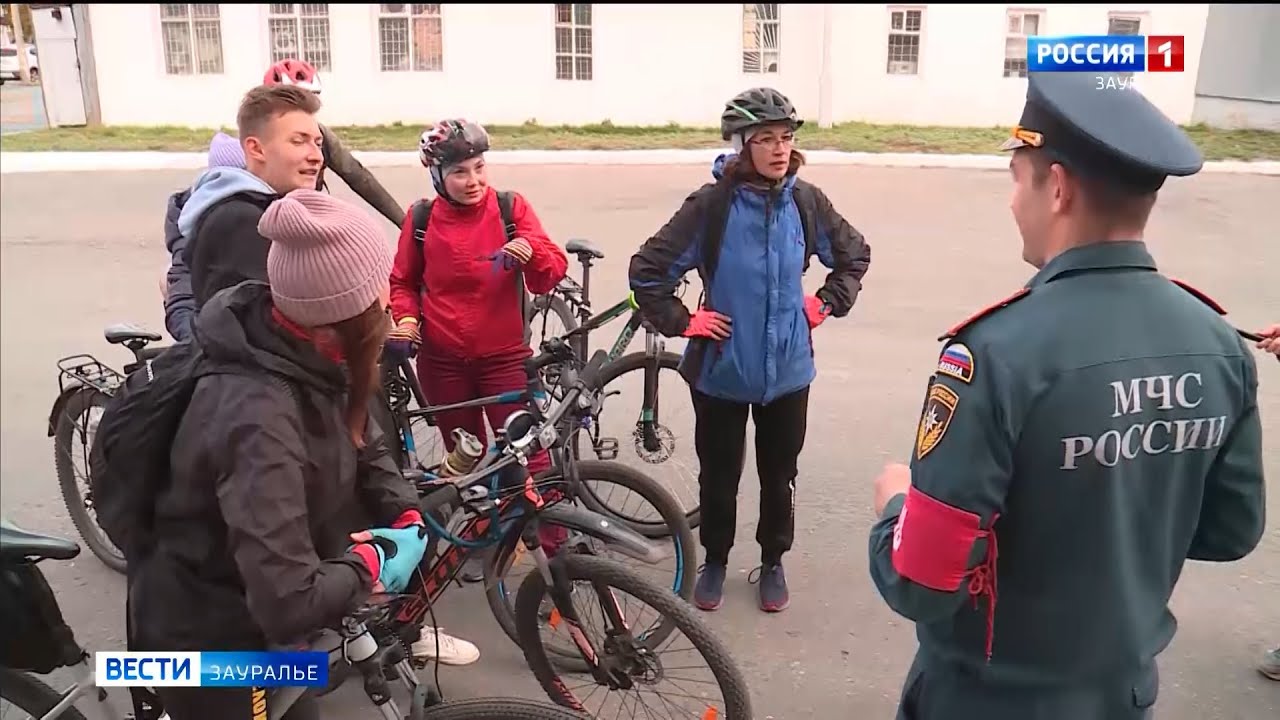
453,651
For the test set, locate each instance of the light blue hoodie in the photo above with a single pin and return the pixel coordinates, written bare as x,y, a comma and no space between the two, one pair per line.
214,185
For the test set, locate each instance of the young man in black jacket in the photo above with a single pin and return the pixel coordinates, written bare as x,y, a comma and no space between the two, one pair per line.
281,141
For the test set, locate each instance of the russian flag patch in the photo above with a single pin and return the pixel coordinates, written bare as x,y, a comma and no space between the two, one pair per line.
956,362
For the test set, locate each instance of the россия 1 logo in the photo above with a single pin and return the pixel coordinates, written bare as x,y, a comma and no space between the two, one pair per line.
1105,53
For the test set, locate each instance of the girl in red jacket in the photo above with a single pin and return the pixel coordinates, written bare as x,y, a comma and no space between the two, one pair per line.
456,289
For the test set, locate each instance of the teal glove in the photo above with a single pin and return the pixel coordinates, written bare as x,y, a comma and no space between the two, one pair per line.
399,552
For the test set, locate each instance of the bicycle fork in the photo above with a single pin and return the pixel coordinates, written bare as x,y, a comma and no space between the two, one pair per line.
559,586
648,425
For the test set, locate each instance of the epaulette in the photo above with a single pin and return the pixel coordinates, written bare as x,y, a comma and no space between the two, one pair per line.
1023,292
1213,305
1200,296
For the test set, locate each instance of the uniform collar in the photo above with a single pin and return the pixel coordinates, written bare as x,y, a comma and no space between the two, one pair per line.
1098,256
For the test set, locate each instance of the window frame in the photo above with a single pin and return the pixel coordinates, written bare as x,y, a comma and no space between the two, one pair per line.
408,15
919,33
574,53
189,22
296,17
761,51
1022,13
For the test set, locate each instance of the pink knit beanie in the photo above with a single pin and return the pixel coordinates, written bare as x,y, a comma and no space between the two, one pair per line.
328,260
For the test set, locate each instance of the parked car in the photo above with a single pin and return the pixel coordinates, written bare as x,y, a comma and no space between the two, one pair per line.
9,69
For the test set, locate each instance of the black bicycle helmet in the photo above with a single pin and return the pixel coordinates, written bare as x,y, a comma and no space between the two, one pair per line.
755,107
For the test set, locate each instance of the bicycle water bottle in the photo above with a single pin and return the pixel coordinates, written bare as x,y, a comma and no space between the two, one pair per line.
467,451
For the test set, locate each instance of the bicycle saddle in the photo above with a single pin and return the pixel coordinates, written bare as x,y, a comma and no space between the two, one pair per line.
125,332
17,544
583,247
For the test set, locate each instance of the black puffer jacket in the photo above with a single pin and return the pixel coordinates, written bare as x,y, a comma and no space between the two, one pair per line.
253,532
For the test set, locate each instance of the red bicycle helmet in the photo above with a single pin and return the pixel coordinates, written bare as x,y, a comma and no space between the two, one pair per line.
452,141
293,71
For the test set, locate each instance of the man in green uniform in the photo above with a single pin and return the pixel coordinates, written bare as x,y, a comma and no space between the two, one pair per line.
1101,424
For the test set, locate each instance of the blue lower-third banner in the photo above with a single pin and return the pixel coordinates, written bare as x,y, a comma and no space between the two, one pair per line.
212,669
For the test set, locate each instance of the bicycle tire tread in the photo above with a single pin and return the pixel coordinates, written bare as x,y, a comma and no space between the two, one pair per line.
499,709
32,695
70,489
728,675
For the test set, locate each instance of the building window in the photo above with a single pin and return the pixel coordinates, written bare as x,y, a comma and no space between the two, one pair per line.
192,36
904,42
760,26
410,37
1123,25
1022,24
300,31
573,42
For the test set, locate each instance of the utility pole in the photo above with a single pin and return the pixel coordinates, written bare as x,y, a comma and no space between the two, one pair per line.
824,74
20,39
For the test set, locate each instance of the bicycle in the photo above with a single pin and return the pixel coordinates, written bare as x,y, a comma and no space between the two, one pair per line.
51,644
505,515
653,442
84,386
566,475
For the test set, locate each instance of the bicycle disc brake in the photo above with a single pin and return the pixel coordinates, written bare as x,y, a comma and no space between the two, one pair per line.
666,443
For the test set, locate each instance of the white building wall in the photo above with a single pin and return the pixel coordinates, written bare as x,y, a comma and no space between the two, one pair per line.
651,66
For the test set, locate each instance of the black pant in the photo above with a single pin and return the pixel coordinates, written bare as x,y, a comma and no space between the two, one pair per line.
184,703
720,438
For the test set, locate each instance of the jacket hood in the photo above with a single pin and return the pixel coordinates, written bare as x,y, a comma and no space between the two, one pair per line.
214,185
717,169
235,327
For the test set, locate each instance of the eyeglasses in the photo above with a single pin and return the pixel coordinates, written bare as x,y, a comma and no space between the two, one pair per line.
774,142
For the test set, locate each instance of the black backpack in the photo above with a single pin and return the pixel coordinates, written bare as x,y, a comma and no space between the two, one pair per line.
420,212
129,458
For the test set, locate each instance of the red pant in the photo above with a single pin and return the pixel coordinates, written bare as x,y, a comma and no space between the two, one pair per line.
446,381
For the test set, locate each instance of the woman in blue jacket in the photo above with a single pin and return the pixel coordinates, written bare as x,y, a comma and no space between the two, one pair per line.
750,235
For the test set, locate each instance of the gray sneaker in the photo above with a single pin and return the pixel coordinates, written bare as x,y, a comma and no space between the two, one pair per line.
1270,665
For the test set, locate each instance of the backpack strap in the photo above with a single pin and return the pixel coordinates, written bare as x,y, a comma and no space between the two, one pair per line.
506,209
421,215
807,205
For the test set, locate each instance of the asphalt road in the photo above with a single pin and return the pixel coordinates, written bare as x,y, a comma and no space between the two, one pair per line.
84,250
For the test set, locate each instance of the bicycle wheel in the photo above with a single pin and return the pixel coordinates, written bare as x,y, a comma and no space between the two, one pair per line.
663,447
550,317
31,695
499,709
629,659
77,424
662,504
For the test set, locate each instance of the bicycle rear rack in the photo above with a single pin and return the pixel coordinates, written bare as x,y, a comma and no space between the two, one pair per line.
85,370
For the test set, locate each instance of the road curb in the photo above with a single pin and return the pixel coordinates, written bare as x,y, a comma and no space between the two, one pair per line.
43,162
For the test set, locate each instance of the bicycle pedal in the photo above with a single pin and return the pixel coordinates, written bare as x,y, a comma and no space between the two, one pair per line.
607,449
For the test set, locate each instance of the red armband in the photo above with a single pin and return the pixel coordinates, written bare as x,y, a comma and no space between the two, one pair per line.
407,518
932,540
933,550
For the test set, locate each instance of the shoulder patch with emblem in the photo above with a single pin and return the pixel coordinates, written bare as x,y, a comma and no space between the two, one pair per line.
956,362
1021,293
938,410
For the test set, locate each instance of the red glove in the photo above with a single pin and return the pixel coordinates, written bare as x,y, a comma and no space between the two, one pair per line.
816,310
708,324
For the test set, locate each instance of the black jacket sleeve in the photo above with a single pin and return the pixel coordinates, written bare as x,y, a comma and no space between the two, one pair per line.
179,303
842,249
359,179
262,494
227,249
659,264
383,488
